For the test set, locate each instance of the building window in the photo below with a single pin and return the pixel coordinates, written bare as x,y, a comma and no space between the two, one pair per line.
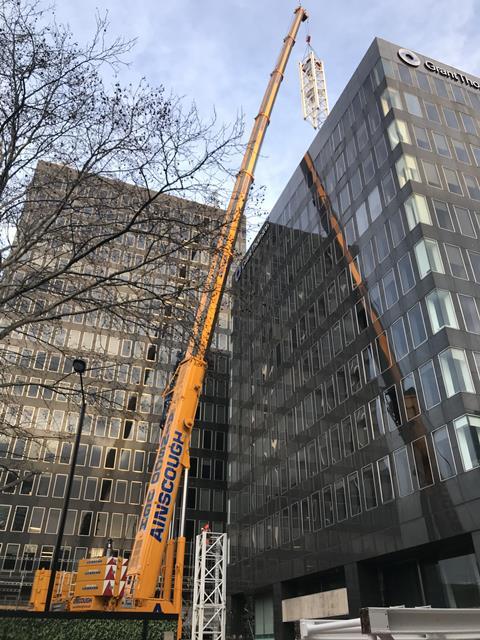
410,397
456,372
416,210
36,520
405,270
407,169
428,379
421,138
328,506
440,310
413,105
399,339
417,325
390,289
403,472
354,494
453,182
475,264
456,262
470,313
19,519
428,257
385,477
450,118
443,453
465,222
340,500
392,408
361,427
441,144
376,417
467,429
390,99
398,132
473,189
369,488
53,519
431,173
444,218
421,457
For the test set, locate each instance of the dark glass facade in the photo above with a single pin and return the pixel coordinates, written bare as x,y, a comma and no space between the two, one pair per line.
355,432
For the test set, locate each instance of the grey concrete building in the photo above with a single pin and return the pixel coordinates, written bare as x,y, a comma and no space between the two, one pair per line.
128,364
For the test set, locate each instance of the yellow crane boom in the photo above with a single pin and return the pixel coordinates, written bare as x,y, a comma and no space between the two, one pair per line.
149,546
99,583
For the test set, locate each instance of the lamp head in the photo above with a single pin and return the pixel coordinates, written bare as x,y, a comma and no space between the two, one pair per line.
79,366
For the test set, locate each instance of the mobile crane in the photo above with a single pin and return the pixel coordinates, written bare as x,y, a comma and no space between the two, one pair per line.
112,584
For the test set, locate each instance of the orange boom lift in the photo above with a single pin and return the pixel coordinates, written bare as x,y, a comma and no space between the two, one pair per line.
110,584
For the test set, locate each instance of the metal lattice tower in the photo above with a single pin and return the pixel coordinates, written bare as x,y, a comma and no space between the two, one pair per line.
313,90
210,586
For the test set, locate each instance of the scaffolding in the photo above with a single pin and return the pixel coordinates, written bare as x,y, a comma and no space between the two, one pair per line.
313,90
209,586
397,623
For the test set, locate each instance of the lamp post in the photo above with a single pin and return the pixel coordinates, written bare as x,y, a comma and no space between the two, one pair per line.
79,366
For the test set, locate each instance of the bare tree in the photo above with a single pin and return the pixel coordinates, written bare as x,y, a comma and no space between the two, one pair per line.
94,225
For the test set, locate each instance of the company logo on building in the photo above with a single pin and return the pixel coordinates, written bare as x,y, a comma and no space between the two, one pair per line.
409,57
413,60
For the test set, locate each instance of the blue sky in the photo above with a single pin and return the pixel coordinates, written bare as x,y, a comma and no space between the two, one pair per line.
220,53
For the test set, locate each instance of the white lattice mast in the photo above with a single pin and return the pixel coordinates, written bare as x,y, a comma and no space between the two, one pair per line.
313,90
209,586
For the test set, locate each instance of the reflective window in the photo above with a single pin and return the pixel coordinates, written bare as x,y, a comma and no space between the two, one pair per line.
473,189
428,257
440,310
441,144
475,264
432,112
456,262
354,494
456,372
468,123
361,426
385,478
368,168
428,379
328,506
361,219
413,105
421,137
443,453
376,417
374,204
369,367
369,488
340,500
381,240
465,222
399,339
453,183
393,417
410,397
405,270
431,173
476,154
450,118
388,187
421,457
403,472
461,151
416,210
390,289
467,429
443,215
407,169
397,229
398,132
470,313
376,299
390,99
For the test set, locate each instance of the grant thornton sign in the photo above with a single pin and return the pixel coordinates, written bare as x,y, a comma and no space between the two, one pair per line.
413,60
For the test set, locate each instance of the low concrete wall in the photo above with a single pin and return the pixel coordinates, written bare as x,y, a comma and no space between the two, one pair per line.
326,604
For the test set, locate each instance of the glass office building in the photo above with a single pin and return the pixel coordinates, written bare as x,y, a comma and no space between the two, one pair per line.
355,434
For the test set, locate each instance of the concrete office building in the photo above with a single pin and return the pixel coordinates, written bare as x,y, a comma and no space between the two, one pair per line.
127,367
355,436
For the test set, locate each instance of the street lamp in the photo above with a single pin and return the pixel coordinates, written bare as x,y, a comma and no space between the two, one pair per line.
79,366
